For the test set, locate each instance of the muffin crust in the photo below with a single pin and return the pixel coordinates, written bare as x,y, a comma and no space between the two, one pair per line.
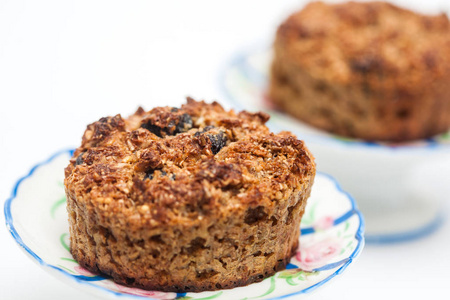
186,199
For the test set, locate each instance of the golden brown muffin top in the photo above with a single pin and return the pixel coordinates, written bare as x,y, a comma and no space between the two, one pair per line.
180,165
371,41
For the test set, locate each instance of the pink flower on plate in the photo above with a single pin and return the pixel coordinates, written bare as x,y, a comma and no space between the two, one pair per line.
317,254
83,271
140,292
323,223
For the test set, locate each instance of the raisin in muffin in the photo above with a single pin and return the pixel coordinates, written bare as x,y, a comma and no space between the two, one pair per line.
186,199
367,70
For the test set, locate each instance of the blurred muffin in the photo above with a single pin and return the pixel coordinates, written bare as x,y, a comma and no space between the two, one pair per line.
365,70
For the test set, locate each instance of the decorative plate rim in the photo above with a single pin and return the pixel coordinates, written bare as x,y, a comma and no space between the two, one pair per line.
238,58
359,236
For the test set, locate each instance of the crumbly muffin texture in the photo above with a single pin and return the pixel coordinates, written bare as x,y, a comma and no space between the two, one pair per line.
367,70
186,199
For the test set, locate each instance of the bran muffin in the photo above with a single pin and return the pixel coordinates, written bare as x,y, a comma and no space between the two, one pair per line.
186,199
365,70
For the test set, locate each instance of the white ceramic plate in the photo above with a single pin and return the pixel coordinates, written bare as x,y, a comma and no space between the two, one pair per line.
388,180
332,237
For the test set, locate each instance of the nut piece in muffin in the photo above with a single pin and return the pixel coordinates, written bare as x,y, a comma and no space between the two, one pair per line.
187,199
366,70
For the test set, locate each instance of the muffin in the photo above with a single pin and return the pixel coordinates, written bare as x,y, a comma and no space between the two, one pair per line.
370,70
186,199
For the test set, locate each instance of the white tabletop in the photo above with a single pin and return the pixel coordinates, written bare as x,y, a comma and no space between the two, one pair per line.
64,64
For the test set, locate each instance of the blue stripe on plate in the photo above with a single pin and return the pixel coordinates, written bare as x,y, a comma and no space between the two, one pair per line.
337,221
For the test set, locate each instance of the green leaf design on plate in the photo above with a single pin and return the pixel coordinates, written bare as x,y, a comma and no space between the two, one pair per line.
309,219
293,276
445,136
271,288
69,259
347,226
269,291
57,204
347,247
67,269
62,240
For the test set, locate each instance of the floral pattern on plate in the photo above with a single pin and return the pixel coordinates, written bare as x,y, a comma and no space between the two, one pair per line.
332,237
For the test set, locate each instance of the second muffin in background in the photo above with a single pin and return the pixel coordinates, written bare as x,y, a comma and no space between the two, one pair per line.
365,70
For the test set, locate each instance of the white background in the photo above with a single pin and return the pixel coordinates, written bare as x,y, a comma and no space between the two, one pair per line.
64,64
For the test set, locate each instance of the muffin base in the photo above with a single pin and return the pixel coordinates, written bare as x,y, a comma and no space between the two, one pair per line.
210,256
226,284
